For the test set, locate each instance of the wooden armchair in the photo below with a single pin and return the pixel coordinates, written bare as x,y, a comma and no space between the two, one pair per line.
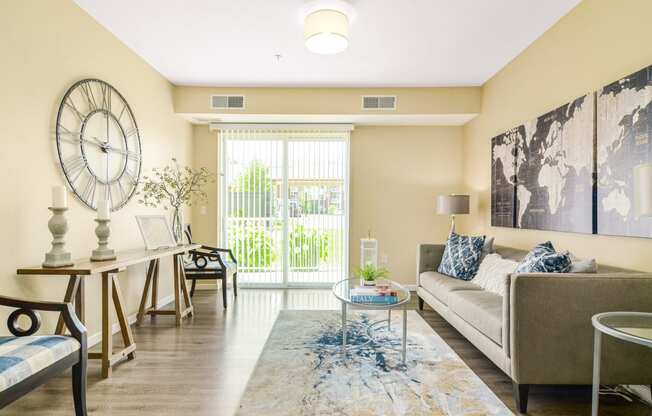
23,369
208,263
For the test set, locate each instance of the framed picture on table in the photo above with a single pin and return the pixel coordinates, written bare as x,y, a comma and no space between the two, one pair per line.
156,231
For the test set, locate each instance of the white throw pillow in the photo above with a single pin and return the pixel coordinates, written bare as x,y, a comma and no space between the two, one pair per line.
582,266
492,273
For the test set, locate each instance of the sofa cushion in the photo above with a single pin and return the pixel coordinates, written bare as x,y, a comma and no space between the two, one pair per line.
481,309
518,255
510,253
461,256
543,259
487,248
21,357
492,273
440,285
583,266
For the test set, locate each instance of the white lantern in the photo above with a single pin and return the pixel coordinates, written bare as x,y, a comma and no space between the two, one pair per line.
368,252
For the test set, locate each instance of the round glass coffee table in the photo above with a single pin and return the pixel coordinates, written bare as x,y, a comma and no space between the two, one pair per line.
635,327
345,291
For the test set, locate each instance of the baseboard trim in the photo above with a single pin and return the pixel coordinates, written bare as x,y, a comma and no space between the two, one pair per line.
115,328
209,286
229,285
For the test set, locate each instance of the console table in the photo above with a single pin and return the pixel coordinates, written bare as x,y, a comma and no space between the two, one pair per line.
111,292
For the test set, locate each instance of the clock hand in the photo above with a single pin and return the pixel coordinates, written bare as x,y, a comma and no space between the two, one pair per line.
98,144
107,128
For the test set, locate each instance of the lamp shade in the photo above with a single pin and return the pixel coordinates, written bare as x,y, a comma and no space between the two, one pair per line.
452,204
643,190
326,31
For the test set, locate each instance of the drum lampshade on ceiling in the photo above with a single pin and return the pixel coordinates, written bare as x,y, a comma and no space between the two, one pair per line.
326,31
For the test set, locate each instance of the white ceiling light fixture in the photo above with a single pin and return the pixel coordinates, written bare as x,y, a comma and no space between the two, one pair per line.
326,26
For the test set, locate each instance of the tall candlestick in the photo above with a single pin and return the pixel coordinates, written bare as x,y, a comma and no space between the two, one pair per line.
103,252
103,210
59,197
58,256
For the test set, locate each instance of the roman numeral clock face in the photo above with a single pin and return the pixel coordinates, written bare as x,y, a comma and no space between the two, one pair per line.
98,144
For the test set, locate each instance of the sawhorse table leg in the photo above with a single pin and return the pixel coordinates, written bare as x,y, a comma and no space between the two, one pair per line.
111,294
180,293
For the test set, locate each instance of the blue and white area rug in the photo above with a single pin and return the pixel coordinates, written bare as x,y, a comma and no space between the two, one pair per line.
303,371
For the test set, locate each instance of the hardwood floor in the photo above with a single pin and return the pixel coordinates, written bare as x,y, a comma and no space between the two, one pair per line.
202,368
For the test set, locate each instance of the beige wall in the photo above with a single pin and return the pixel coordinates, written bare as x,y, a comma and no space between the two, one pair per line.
48,45
453,100
596,43
205,226
395,174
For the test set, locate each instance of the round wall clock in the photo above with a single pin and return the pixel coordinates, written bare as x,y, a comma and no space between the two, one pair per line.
98,144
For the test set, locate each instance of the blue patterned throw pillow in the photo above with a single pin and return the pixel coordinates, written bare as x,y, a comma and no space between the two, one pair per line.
544,259
461,256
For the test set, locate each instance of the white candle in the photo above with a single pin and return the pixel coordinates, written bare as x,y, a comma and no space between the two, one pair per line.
59,197
103,210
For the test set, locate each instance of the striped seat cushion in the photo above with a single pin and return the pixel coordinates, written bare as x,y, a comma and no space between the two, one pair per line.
21,357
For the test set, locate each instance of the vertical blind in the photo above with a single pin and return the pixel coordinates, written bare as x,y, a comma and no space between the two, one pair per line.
284,210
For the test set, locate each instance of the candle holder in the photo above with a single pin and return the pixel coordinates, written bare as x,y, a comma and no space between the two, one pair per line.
58,225
102,231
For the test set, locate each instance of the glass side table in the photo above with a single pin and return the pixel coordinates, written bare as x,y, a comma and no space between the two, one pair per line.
635,327
343,291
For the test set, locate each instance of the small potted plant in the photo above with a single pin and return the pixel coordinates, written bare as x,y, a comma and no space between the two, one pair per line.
369,273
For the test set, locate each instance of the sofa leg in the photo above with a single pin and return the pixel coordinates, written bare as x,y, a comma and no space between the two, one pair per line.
79,387
520,396
420,303
192,287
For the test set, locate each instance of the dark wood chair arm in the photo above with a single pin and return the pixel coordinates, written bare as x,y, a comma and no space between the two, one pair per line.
76,328
215,250
222,250
206,254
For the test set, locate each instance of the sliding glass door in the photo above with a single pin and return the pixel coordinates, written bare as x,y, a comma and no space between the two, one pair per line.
252,205
284,204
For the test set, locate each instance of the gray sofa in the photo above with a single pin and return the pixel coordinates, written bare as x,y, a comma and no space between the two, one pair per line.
540,332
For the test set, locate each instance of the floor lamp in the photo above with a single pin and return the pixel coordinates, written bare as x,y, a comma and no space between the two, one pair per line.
452,205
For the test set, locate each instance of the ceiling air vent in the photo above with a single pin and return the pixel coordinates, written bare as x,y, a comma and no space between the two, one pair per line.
379,102
222,102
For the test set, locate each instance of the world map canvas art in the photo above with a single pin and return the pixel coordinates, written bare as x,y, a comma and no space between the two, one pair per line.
547,164
503,178
624,131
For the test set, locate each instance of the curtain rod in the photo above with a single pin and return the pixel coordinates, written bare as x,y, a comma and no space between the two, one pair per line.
281,126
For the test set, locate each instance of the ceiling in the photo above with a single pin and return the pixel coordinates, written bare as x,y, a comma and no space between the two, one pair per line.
409,43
